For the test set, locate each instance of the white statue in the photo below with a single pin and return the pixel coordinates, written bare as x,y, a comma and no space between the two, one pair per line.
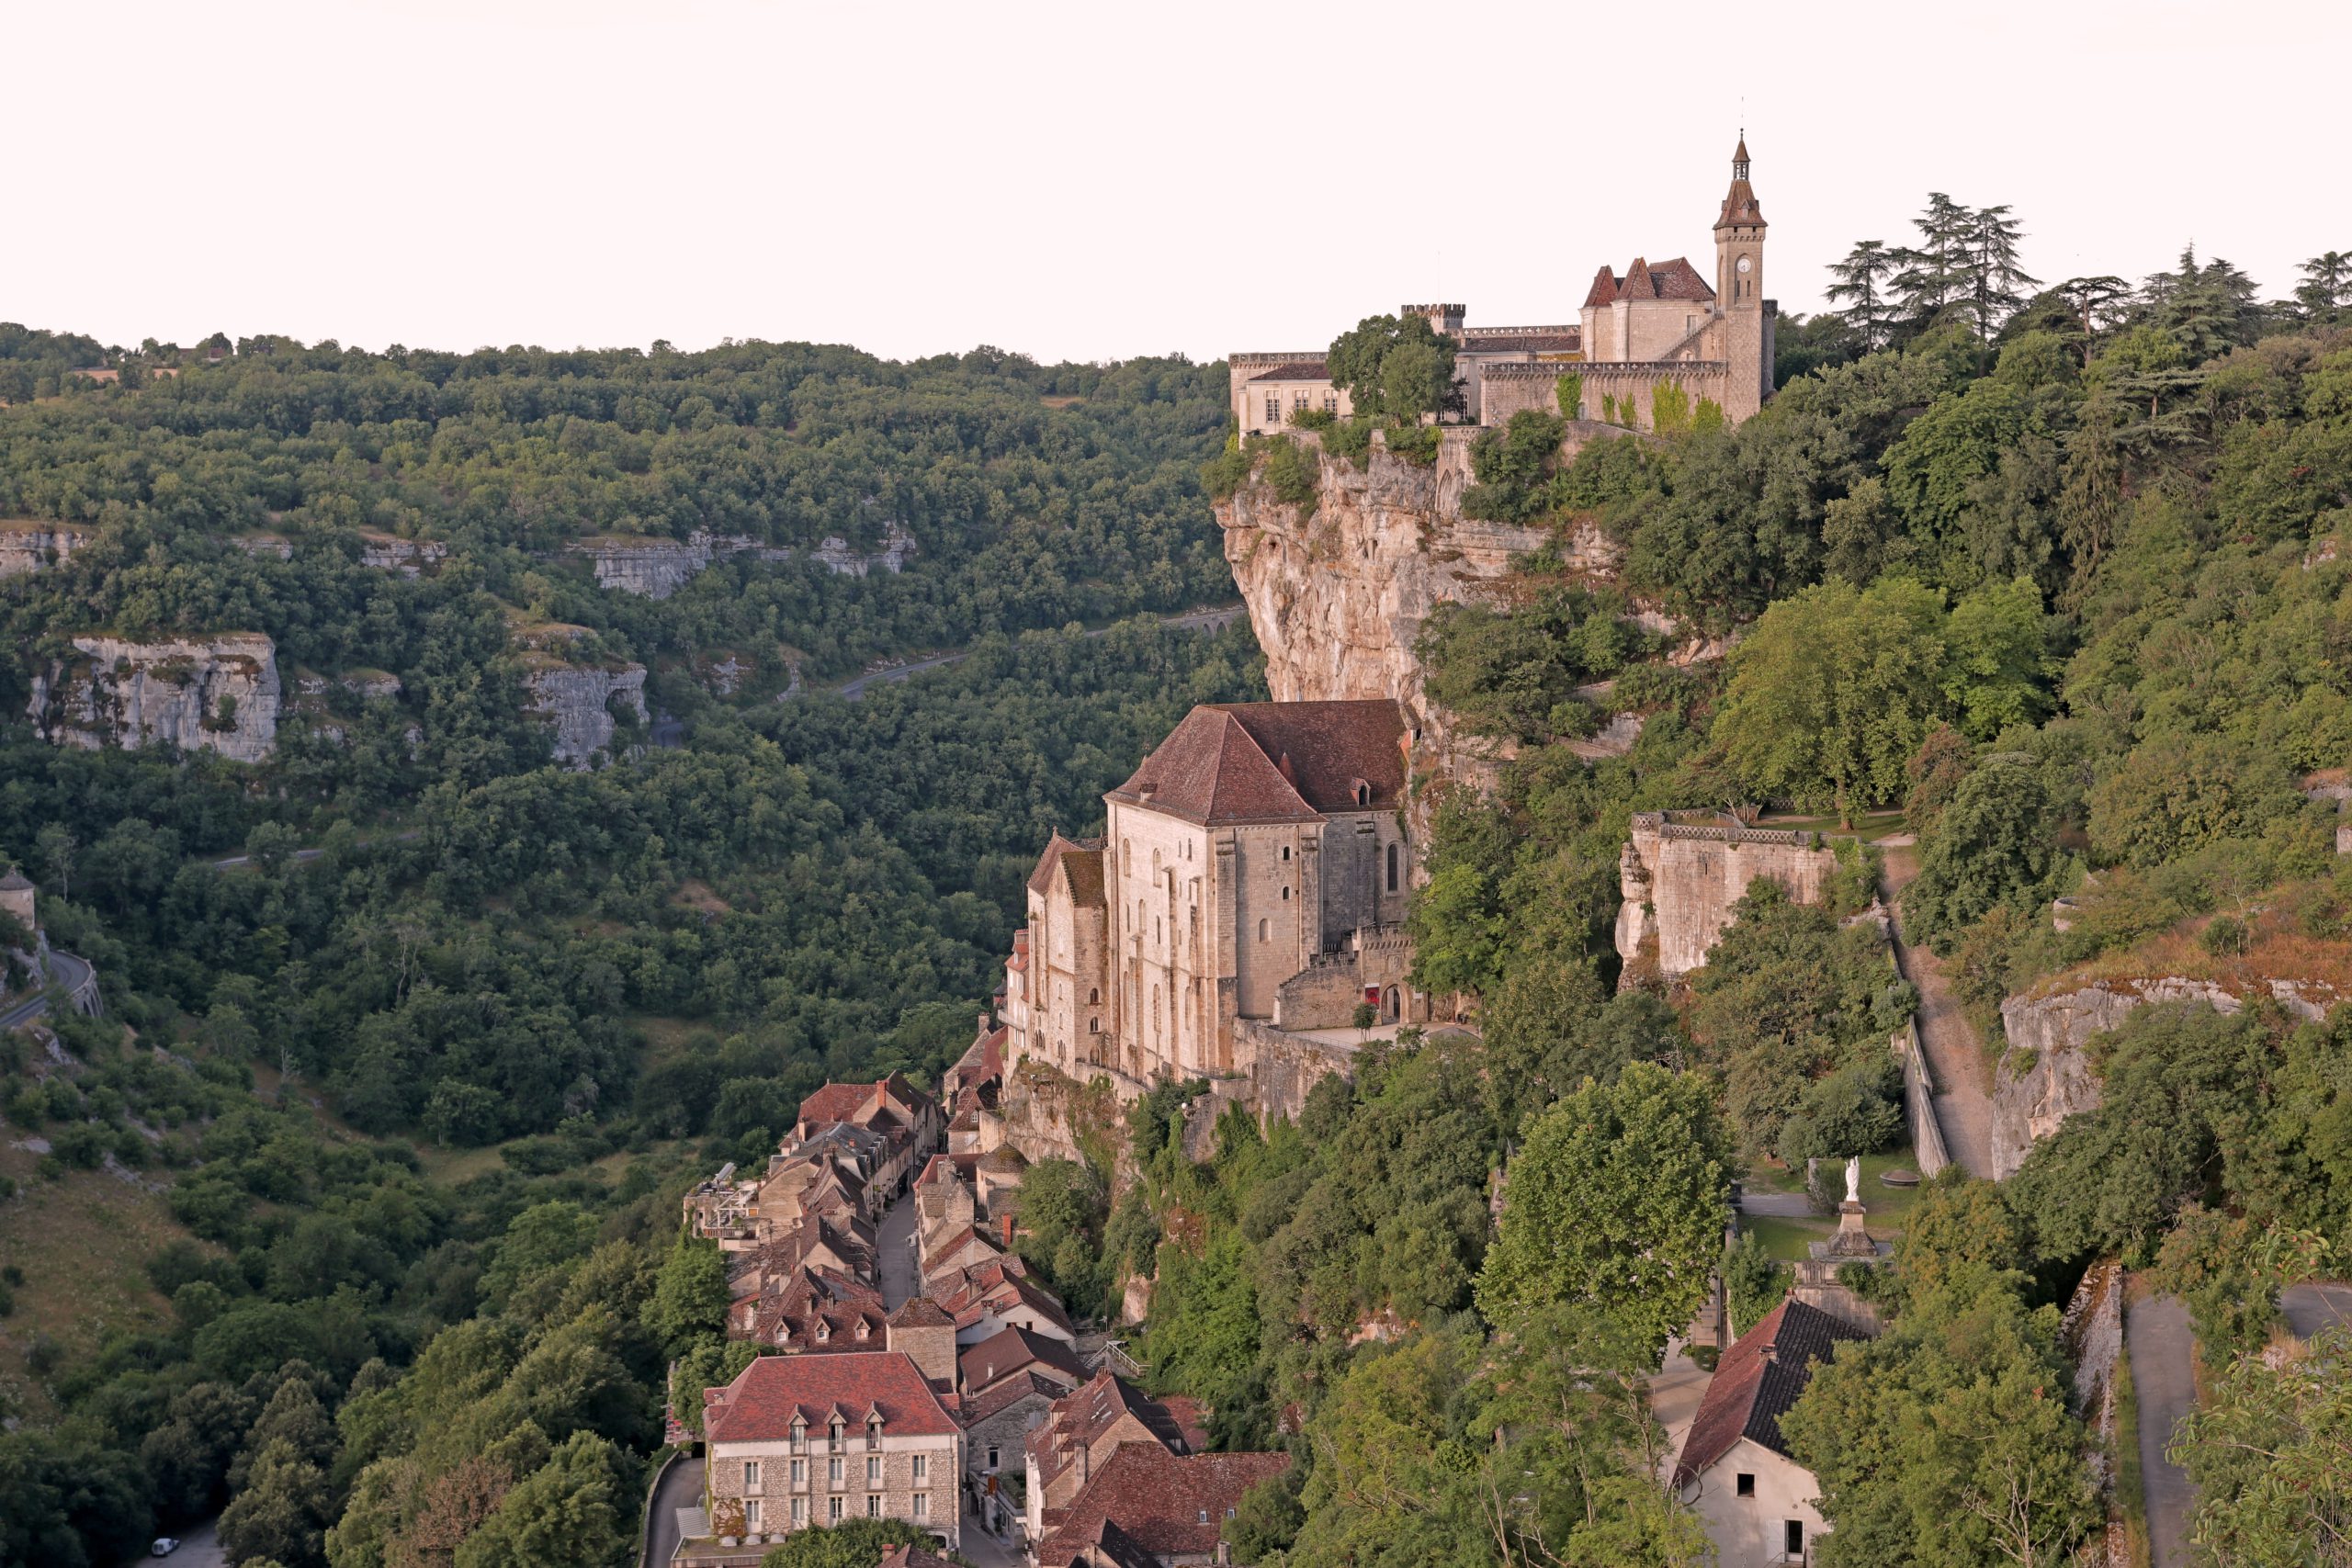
1854,1178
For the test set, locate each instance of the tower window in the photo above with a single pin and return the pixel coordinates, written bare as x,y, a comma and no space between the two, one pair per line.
1261,930
1392,868
1285,851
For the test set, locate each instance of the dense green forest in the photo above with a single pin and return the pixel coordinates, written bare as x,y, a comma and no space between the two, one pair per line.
364,1341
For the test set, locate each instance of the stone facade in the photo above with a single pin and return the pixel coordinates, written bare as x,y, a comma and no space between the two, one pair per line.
1639,335
1679,881
1255,867
216,694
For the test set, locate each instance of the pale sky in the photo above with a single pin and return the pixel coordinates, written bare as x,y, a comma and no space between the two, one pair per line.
1095,181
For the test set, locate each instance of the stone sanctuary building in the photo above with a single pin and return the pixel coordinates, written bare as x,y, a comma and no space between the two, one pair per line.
1253,883
1657,326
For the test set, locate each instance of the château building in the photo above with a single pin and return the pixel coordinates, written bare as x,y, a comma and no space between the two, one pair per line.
1657,327
1255,871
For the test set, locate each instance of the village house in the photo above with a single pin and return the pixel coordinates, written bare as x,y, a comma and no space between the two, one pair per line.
1148,1504
797,1440
1659,334
1256,870
1761,1507
1010,1382
1081,1430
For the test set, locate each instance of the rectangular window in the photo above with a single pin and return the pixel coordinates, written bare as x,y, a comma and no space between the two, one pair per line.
1745,1485
992,1456
833,1510
1797,1541
799,1471
874,1505
833,1470
751,1515
1330,402
751,1475
922,1465
799,1512
1274,407
922,1505
873,1470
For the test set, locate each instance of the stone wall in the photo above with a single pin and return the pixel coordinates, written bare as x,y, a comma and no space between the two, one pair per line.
575,700
1680,882
217,694
657,567
28,545
1283,1069
1510,387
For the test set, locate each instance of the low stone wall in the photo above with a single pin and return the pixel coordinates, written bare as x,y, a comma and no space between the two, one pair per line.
1919,1103
1282,1069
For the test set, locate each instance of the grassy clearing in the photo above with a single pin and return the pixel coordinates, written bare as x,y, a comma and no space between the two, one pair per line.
1786,1239
83,1242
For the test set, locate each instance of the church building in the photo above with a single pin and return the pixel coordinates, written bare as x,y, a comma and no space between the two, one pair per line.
1255,871
1657,336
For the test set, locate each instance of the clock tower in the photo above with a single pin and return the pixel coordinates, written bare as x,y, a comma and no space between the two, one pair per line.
1739,292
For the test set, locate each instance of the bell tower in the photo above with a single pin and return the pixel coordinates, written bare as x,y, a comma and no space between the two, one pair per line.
1739,292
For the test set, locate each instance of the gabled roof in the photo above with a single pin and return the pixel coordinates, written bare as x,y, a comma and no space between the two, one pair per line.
920,1311
911,1557
13,881
1603,290
1006,1393
1274,762
1094,1410
759,1406
1759,1377
1078,859
1170,1505
1676,280
835,1102
1013,1350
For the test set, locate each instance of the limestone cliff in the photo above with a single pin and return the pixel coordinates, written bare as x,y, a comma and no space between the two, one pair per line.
27,544
656,568
1338,590
2048,1074
408,557
217,694
576,700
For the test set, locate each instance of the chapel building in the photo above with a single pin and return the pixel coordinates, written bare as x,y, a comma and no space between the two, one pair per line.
1658,327
1255,870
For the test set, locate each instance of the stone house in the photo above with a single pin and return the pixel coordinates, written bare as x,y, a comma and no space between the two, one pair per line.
1655,328
990,1297
1166,1508
1081,1430
1761,1507
1256,868
1010,1382
797,1440
16,899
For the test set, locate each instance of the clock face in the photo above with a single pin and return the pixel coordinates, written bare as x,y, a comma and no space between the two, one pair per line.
1743,263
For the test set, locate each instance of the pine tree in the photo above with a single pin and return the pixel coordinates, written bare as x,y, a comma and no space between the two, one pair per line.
2208,308
2325,293
1995,276
1936,273
1862,281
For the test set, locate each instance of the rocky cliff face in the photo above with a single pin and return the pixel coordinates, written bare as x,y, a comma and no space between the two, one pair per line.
28,546
2048,1074
409,558
217,693
575,700
1339,591
655,568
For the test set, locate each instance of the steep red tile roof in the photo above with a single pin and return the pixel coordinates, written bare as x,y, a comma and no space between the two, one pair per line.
835,1102
920,1311
1006,1393
1603,290
1274,762
1016,1349
1170,1505
1107,1547
1295,370
911,1557
758,1406
1759,1377
1082,1417
1079,860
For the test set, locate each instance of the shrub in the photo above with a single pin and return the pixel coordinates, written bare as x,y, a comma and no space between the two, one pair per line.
1418,444
1291,471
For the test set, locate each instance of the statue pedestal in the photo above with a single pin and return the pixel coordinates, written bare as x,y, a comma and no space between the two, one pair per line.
1851,1240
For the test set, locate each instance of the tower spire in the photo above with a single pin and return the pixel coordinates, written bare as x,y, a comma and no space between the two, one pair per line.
1739,156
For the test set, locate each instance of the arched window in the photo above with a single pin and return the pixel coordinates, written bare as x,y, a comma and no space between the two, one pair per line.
1094,1026
1392,868
1093,996
1285,851
1286,895
1262,930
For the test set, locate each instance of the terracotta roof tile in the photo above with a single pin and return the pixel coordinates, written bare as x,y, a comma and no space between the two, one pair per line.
1081,859
1525,342
1170,1505
1225,762
758,1406
1016,1349
1603,290
1759,1377
1295,370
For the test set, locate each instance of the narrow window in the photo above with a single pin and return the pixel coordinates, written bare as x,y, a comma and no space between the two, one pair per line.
1392,868
1262,930
751,1515
799,1471
833,1510
1285,851
1330,402
872,1504
751,1475
1745,1485
922,1505
1797,1541
992,1453
1093,996
799,1512
1286,895
1274,407
873,1470
922,1466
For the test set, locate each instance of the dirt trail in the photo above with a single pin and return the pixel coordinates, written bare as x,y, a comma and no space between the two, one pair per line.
1955,1056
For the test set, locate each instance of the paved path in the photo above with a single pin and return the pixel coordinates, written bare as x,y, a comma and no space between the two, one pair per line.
2309,1308
2158,1336
681,1488
898,1256
1955,1056
66,970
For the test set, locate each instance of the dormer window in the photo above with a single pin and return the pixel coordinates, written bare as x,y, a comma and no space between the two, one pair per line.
824,1331
1362,792
861,1328
799,1434
836,1441
874,1431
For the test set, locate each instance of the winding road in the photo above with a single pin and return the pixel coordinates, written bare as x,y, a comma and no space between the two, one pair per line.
680,1488
66,970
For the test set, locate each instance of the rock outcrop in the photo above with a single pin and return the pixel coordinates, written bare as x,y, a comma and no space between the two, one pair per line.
27,544
655,568
1680,880
576,700
2048,1075
217,694
1338,590
409,558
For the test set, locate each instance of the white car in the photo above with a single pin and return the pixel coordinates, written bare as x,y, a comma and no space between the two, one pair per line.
164,1546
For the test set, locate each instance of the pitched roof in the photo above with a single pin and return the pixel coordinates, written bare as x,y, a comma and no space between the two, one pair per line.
1016,1349
1170,1505
1603,290
920,1311
1295,370
1759,1377
911,1557
13,881
1676,280
1006,1393
1083,1416
758,1406
1564,342
1274,762
1080,861
835,1102
1740,205
1107,1546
